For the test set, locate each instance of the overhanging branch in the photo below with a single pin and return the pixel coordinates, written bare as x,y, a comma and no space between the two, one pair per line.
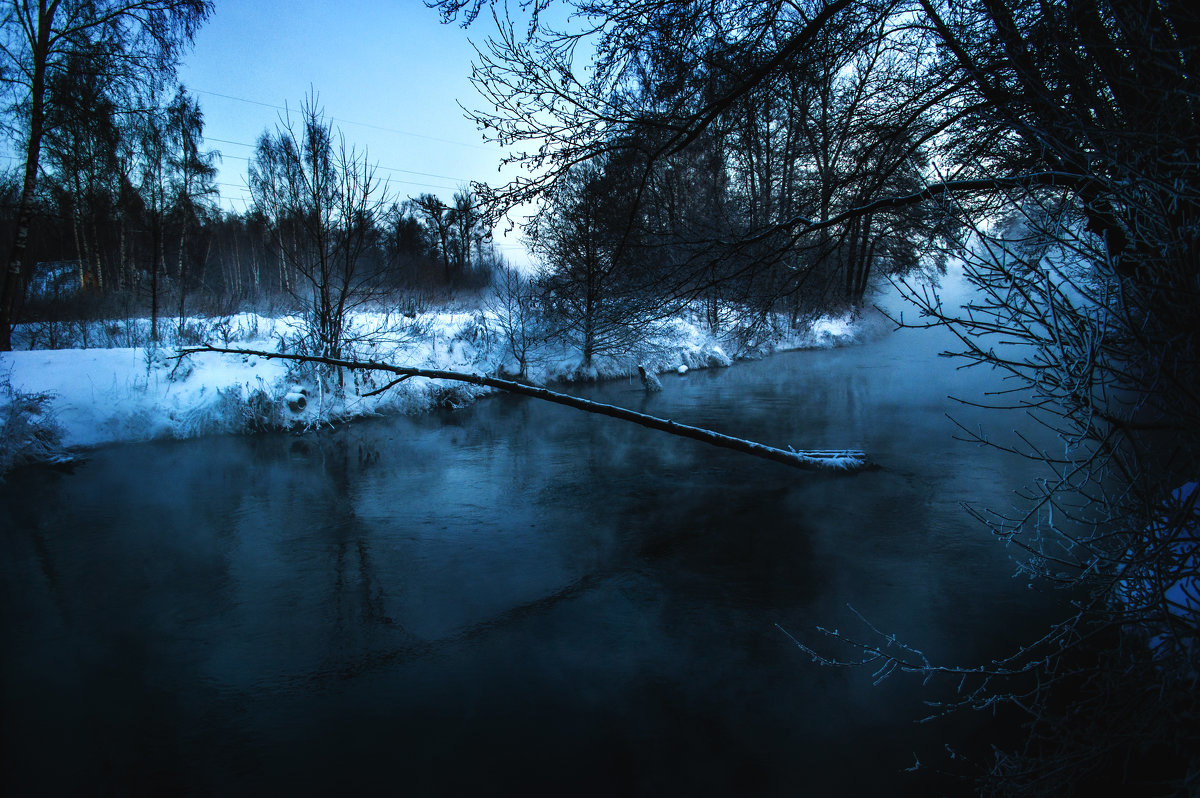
800,225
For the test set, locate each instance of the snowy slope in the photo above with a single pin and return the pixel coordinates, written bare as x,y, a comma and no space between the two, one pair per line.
99,396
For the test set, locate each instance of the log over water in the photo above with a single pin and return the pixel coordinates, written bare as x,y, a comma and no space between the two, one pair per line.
837,460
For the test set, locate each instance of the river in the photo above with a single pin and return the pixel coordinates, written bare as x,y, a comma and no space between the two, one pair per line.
513,598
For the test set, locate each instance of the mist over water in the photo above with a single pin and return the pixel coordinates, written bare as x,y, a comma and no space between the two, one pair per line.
514,597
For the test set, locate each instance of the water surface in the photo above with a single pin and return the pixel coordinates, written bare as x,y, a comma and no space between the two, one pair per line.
513,598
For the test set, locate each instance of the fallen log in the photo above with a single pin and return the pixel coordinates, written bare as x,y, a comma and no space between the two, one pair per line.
837,460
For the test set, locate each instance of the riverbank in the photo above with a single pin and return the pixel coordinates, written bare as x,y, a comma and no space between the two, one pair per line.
54,402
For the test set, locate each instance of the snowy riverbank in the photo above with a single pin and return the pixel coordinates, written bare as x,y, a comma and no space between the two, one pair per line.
53,400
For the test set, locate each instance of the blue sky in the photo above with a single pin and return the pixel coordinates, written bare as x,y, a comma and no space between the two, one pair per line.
388,72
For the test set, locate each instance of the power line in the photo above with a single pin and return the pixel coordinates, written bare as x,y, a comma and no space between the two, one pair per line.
402,182
378,166
227,141
285,109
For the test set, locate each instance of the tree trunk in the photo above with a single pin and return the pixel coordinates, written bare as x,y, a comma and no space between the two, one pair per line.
445,251
182,274
123,281
156,260
37,119
97,266
80,254
202,276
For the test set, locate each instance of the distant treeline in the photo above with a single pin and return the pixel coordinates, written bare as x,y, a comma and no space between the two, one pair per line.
86,251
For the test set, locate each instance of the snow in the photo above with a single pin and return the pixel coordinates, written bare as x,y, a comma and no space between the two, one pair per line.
98,396
107,395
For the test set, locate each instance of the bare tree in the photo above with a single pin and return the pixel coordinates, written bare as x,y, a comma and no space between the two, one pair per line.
597,292
516,306
323,200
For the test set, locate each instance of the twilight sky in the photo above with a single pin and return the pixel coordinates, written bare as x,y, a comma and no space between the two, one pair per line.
387,71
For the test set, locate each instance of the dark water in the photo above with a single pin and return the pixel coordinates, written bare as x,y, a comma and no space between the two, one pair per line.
514,598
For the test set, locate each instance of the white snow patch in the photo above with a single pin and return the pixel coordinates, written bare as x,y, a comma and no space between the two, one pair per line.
123,393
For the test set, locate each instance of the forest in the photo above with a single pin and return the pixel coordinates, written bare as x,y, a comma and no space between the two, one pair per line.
754,162
119,210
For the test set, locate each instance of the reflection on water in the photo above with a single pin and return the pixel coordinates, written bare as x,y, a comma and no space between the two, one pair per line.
510,598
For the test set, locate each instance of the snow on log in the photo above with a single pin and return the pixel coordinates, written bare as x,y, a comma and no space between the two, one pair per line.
838,460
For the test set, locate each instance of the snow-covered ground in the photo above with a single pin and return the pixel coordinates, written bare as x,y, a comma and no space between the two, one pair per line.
55,399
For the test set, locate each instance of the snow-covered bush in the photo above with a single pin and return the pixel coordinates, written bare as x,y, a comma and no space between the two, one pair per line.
193,332
223,330
29,432
49,335
237,409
